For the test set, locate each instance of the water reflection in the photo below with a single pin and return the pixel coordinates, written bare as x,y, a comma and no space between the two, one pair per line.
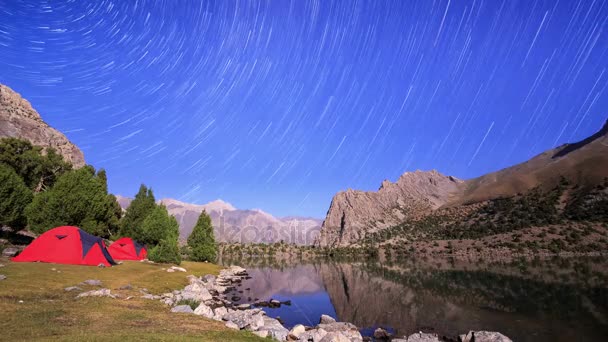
544,301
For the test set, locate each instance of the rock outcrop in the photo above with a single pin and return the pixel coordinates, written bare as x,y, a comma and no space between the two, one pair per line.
19,120
353,213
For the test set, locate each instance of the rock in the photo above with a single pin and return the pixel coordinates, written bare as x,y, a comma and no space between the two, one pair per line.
325,319
175,268
274,303
232,325
209,278
382,335
101,265
97,293
218,313
249,319
335,337
296,331
73,288
170,270
243,306
199,294
275,329
92,282
349,330
2,277
484,336
150,296
423,337
204,310
182,309
314,335
261,333
10,252
1,265
18,119
126,287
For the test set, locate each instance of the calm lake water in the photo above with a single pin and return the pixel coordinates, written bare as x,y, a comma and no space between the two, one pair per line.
548,300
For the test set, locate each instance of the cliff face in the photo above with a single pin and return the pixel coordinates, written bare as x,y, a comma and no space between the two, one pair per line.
353,213
19,120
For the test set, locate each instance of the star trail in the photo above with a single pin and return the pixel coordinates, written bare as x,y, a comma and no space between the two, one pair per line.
280,104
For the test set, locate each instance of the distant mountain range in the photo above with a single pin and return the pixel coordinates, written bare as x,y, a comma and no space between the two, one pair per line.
464,205
19,120
237,225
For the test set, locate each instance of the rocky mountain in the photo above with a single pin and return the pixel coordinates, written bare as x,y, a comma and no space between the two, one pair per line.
415,196
19,120
236,225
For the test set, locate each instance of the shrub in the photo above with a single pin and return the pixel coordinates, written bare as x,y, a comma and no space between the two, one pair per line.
166,251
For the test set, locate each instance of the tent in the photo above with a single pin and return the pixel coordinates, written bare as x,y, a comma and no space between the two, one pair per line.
127,249
67,245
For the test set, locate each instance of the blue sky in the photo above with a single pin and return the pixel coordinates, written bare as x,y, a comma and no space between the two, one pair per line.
280,104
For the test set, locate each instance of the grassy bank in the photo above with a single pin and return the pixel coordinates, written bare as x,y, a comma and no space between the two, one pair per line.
35,306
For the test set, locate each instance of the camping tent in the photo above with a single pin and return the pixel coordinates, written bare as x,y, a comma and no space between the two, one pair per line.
127,249
67,245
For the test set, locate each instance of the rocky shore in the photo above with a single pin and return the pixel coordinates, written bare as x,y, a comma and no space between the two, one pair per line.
206,296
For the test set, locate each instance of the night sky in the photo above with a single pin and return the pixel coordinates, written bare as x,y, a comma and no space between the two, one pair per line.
280,104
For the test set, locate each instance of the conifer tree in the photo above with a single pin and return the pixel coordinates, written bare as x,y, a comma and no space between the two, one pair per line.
143,204
202,240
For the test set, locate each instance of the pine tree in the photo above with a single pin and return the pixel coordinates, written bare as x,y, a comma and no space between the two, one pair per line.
202,240
143,204
14,198
78,198
158,226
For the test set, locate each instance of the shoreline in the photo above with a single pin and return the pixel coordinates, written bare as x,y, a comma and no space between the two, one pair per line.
203,297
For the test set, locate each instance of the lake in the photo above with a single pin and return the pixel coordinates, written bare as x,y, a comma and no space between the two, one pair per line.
543,300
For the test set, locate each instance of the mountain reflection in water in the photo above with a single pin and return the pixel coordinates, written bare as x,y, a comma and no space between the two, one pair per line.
549,300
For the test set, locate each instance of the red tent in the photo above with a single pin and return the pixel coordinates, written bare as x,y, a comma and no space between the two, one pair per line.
127,249
67,245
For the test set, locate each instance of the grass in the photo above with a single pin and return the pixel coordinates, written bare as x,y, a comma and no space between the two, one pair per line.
35,306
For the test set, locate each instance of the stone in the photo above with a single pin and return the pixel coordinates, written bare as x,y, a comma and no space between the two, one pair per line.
92,282
275,329
232,325
261,333
170,270
97,293
296,331
204,310
1,265
200,294
73,288
312,335
243,306
218,313
335,337
10,252
246,319
101,265
423,337
182,309
325,319
151,296
274,303
2,277
484,336
179,269
381,334
209,278
126,287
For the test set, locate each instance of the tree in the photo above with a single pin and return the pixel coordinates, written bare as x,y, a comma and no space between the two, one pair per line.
202,240
78,198
158,226
166,251
38,170
14,198
139,209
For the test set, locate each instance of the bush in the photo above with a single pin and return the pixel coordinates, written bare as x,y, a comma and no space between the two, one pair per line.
157,226
14,198
202,240
166,251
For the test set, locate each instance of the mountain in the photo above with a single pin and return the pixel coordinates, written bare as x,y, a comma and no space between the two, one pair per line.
19,120
576,172
236,225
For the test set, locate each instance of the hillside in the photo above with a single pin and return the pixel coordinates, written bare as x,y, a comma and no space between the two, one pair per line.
564,185
19,120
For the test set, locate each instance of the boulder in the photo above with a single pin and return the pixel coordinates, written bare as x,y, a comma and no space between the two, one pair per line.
97,293
335,337
382,335
232,325
243,306
338,326
10,252
179,269
92,282
325,319
312,335
484,336
209,278
250,319
296,331
182,309
423,337
218,313
201,294
275,329
261,333
204,310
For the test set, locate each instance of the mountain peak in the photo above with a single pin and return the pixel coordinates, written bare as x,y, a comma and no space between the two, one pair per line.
219,205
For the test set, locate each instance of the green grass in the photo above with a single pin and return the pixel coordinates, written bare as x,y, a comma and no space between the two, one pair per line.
34,305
